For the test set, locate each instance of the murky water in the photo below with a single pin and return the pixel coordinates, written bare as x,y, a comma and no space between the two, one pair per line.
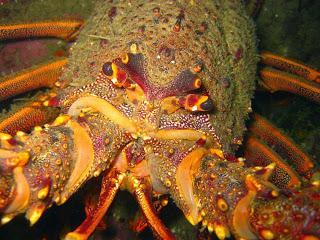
289,28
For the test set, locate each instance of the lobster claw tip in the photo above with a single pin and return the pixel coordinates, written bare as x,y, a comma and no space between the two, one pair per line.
74,236
222,231
35,212
192,219
6,218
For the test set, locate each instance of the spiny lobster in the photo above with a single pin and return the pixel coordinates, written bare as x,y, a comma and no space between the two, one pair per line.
154,97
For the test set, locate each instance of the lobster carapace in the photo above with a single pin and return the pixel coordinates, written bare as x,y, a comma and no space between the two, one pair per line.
155,96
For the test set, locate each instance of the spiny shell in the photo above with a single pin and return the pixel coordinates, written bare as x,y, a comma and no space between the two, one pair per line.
216,33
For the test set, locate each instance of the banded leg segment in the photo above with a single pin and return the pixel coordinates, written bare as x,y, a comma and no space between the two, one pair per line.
282,145
31,79
66,30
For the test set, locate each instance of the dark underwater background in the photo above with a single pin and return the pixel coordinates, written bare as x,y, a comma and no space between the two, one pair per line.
286,27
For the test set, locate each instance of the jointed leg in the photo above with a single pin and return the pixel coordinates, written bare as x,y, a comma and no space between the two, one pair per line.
290,66
275,80
67,30
298,78
26,118
259,154
30,79
110,185
282,144
142,194
44,76
140,222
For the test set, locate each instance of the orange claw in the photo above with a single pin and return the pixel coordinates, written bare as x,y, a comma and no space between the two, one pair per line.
141,192
282,144
30,79
275,80
290,66
257,153
61,29
109,187
26,118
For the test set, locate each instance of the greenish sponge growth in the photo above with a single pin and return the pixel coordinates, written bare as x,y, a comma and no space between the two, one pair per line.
20,11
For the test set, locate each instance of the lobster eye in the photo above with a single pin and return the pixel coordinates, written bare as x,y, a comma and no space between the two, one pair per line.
107,69
207,105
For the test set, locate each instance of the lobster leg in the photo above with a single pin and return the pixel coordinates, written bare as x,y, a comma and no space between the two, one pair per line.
259,154
142,194
282,145
140,222
299,79
275,80
290,66
28,117
110,185
31,79
43,76
66,30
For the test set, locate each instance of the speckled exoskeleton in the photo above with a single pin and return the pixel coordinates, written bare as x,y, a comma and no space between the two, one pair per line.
154,97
